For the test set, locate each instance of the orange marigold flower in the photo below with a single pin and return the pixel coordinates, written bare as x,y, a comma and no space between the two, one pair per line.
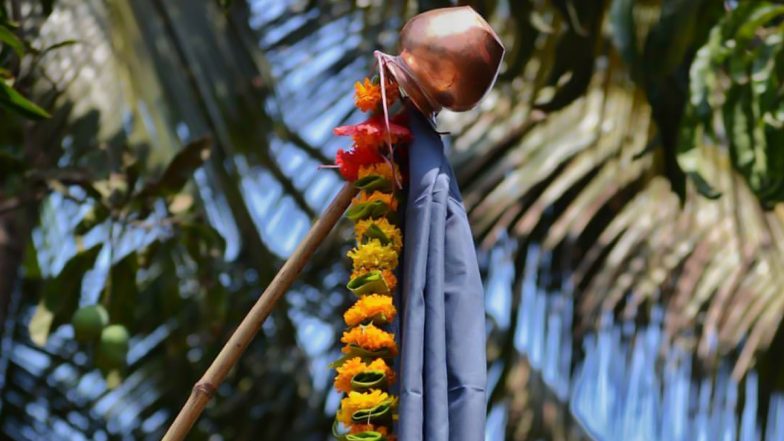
372,132
388,198
349,162
390,278
354,366
359,401
370,306
369,338
382,169
367,94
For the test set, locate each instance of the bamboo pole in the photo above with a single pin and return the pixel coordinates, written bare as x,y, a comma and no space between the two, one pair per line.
205,388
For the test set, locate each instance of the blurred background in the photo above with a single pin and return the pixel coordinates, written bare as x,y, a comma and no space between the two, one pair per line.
159,158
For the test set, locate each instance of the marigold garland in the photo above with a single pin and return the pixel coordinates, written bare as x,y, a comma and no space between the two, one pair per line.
356,401
370,338
390,231
349,162
359,428
371,133
355,366
373,255
389,277
378,169
377,307
365,374
367,94
388,199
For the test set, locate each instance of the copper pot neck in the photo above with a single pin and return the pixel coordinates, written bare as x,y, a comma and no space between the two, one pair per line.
410,86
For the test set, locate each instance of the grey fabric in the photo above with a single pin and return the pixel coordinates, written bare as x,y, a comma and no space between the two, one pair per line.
442,364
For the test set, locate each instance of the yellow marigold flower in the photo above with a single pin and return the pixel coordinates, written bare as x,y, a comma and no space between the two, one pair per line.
389,230
359,401
372,255
388,276
355,366
379,169
369,338
389,199
373,305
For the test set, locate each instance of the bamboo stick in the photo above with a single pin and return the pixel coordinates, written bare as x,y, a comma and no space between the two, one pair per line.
205,388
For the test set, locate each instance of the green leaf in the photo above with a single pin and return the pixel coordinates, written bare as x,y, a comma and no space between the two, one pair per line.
372,209
369,283
369,380
7,37
61,295
366,436
373,183
58,45
179,170
380,414
374,232
15,102
122,290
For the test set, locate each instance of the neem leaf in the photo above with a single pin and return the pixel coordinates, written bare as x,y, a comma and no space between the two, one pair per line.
14,101
10,39
179,170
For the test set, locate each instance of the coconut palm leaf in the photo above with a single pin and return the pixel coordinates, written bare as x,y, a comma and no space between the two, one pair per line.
579,150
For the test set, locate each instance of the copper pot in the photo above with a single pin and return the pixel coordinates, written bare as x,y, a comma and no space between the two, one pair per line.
449,58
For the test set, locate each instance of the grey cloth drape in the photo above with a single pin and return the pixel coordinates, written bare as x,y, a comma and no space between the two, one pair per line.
442,362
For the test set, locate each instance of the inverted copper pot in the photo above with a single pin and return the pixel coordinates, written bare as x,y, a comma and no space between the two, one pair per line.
449,58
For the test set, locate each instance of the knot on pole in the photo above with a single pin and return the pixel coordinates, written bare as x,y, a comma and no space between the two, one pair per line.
206,388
